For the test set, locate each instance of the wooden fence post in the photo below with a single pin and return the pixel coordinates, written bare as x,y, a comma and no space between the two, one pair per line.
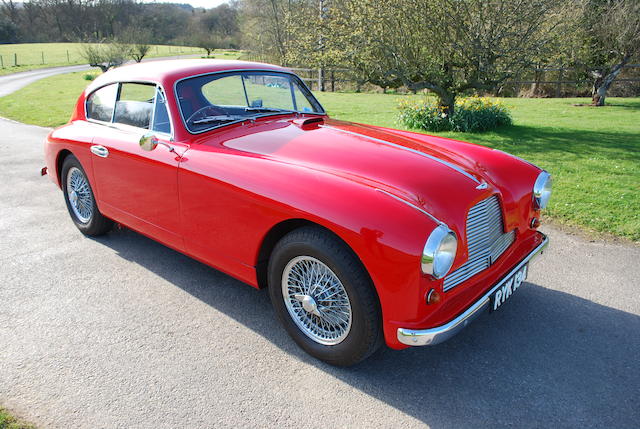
68,60
42,52
559,84
15,59
1,62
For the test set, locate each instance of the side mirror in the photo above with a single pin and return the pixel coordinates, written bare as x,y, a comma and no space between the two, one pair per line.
148,142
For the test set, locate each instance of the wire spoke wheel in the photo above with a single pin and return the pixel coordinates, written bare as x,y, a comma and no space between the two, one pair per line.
79,195
316,300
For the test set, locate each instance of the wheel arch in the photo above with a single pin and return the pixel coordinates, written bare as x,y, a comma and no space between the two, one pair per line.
283,228
62,155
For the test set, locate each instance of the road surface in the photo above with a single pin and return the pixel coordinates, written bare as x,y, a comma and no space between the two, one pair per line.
13,82
120,331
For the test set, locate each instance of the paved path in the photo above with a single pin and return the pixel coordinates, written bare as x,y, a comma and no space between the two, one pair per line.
12,82
121,331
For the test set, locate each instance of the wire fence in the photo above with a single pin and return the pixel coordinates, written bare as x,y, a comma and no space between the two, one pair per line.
540,82
57,55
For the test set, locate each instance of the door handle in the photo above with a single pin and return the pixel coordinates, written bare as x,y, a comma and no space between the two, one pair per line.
101,151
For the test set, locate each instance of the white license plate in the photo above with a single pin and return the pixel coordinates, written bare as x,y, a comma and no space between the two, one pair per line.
508,287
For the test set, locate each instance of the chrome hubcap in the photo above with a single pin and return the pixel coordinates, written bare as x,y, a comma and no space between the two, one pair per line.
316,300
79,194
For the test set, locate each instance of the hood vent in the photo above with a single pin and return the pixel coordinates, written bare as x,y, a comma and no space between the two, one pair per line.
309,123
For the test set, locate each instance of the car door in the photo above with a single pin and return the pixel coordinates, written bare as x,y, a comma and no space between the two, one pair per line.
135,186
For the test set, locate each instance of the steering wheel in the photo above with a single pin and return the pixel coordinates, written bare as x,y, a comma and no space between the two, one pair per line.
205,111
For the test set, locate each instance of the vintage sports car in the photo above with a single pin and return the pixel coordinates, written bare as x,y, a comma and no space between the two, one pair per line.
361,234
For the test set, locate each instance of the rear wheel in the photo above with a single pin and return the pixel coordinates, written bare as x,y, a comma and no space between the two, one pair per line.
80,199
324,297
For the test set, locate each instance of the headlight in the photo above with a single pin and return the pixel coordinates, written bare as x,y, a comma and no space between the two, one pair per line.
542,190
439,252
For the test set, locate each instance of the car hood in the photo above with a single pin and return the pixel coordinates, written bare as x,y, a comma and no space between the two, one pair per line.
441,176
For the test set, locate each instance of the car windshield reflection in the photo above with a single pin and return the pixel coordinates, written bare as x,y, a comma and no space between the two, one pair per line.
214,100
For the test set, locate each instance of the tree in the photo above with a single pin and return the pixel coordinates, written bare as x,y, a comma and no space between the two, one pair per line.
139,51
267,27
105,55
215,28
138,40
609,38
446,46
209,42
8,31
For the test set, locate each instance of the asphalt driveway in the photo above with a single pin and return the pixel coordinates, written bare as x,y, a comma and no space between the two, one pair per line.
123,332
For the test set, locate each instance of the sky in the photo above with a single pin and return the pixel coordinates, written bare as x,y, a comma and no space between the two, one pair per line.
194,3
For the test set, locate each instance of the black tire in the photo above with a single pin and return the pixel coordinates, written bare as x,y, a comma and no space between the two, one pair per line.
365,334
96,224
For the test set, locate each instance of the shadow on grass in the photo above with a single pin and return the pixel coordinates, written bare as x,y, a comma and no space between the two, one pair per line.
548,359
523,139
632,106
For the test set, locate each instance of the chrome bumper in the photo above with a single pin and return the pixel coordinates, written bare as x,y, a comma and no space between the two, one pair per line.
439,334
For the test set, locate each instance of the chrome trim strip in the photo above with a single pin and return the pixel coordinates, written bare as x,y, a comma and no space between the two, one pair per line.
433,218
439,334
417,152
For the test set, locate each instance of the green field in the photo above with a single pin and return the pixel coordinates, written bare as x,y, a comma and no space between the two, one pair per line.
593,153
31,56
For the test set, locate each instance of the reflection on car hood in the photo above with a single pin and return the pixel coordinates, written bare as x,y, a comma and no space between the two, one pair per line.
433,173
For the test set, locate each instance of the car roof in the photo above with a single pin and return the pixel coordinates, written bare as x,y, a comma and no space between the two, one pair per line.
168,71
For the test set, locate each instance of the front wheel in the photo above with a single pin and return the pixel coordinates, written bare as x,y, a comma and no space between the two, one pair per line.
324,297
80,199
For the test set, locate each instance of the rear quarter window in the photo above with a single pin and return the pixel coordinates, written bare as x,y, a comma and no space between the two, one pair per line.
101,103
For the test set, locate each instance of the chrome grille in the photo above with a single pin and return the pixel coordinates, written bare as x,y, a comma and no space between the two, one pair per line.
486,241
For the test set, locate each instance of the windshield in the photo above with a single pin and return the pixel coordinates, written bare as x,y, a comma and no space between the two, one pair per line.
218,99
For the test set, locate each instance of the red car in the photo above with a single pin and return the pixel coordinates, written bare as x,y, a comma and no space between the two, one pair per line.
363,235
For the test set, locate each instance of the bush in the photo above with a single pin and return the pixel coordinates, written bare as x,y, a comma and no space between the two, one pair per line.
471,114
89,76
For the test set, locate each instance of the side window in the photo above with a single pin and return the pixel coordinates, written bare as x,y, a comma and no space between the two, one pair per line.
161,121
101,102
135,105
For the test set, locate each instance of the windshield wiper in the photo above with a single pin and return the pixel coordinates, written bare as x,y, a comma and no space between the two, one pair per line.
267,110
218,118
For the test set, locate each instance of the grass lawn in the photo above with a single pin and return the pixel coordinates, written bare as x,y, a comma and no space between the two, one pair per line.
593,153
7,421
30,55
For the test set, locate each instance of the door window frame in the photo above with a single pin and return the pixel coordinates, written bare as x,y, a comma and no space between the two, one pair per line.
125,127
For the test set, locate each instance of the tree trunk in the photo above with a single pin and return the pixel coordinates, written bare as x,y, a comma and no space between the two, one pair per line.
603,81
535,85
448,101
